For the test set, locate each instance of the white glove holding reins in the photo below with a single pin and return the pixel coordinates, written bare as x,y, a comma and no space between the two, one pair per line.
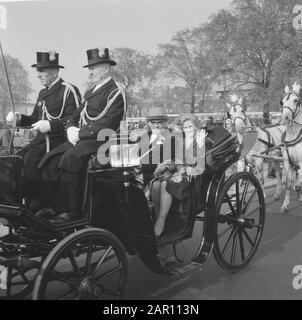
41,126
73,135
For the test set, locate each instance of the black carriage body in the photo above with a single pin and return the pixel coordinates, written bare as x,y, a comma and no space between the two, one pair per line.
131,219
113,204
11,182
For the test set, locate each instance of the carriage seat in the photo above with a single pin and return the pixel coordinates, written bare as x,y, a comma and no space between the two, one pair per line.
95,165
216,136
220,146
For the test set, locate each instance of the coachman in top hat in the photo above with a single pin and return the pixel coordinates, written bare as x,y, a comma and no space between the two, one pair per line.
103,107
55,104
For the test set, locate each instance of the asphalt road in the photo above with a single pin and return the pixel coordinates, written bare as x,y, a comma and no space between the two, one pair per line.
269,275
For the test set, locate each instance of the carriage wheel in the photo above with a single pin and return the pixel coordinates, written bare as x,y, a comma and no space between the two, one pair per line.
16,283
240,216
90,264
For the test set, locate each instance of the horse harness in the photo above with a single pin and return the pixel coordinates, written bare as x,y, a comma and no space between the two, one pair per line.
238,117
291,143
270,139
298,139
297,109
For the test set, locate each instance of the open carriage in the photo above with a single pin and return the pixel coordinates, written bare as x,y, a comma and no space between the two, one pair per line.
87,258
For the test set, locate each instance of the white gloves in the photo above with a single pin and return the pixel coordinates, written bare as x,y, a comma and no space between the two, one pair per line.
73,135
11,116
41,126
200,137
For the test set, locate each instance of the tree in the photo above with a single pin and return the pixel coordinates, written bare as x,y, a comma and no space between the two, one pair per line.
185,59
252,39
132,68
20,86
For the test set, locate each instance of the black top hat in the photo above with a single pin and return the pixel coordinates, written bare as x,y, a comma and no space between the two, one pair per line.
47,60
94,57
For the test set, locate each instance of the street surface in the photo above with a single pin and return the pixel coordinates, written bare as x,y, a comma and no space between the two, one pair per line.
269,275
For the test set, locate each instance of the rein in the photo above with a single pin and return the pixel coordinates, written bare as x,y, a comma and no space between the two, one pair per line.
295,122
269,143
298,139
293,142
241,118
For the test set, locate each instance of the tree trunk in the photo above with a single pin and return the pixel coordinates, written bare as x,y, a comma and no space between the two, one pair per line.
193,99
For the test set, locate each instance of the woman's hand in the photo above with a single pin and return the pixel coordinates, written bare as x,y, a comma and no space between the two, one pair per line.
200,137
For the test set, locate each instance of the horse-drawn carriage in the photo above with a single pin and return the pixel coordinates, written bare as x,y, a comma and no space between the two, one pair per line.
86,258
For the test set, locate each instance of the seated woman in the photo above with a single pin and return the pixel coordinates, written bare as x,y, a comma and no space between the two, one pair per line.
172,180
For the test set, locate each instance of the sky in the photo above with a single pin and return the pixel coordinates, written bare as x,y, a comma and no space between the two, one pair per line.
71,27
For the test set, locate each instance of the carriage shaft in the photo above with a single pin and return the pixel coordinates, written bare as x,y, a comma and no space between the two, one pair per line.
268,157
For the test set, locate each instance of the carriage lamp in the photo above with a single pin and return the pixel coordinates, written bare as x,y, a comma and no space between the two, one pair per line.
124,155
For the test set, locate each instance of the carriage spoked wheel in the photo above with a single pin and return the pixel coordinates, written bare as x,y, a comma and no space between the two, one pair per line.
90,264
16,283
240,217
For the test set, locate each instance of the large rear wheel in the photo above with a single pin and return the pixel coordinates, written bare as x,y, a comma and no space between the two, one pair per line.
240,217
90,264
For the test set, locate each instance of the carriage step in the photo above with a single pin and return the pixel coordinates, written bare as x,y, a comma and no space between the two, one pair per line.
175,267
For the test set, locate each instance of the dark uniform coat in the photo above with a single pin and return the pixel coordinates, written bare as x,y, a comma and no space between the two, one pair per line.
66,164
88,144
32,153
53,99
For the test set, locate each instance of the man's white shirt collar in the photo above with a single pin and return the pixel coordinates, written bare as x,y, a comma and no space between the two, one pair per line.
101,84
53,83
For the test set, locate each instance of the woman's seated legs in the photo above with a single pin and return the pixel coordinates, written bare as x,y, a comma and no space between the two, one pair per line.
155,195
165,205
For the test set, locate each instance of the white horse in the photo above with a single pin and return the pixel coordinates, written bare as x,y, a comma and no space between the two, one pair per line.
292,139
268,138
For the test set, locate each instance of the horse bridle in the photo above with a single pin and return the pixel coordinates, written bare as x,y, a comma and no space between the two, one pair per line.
238,117
297,108
294,114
